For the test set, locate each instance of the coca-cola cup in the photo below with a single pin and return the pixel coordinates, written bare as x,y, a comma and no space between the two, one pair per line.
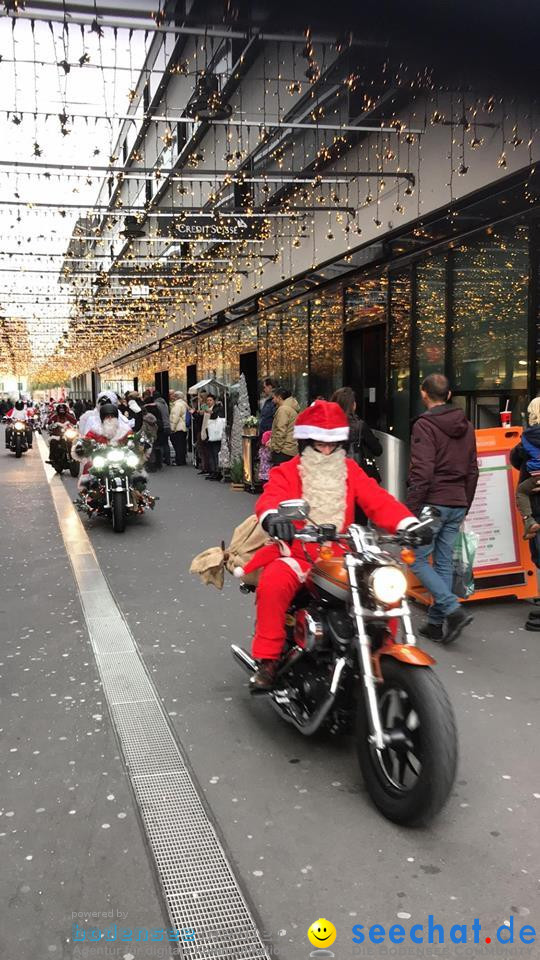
506,418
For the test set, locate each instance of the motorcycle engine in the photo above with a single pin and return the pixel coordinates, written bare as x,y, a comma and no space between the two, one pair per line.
309,632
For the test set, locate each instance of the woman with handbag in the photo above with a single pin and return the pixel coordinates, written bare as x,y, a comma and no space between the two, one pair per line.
214,424
363,444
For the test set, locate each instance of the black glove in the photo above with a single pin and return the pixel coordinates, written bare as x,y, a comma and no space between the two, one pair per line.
279,527
419,534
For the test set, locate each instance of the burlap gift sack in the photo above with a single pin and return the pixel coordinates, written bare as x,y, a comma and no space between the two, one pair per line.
247,538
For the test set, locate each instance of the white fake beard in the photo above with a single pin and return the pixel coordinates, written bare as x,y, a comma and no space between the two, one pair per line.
324,485
110,427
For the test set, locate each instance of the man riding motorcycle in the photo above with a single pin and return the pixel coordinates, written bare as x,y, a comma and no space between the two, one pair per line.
333,485
19,412
90,421
111,430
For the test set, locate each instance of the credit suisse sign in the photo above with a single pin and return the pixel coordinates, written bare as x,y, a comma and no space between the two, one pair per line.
228,227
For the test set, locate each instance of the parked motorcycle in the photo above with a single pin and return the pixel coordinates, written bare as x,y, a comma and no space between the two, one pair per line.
351,664
60,444
16,437
115,485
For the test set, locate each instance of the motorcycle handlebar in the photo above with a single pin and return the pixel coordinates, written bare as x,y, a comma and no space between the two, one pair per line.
405,538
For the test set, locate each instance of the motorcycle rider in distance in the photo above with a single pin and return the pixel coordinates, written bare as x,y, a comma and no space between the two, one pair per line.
62,414
333,485
19,412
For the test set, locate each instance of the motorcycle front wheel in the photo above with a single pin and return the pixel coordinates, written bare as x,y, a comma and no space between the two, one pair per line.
410,780
119,511
18,447
74,468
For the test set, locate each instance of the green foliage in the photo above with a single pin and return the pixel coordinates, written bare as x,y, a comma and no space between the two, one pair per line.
45,385
237,471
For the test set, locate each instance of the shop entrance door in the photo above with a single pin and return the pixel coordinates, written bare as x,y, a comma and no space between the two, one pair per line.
161,383
365,371
191,375
248,366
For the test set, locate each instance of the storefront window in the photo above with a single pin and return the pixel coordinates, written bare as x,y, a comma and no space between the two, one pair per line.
326,347
294,359
400,349
490,311
365,301
273,344
430,316
230,354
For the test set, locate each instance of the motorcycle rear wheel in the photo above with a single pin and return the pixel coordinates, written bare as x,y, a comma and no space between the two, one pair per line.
410,781
119,511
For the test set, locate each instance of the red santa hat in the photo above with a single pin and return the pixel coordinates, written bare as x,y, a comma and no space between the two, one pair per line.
323,421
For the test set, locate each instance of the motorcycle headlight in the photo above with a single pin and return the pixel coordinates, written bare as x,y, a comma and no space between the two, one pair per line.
388,585
115,456
99,462
19,425
71,434
132,460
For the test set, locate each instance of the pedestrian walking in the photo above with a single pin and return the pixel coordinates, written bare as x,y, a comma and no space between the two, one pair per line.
443,473
282,443
364,446
165,432
178,413
213,427
523,457
155,461
268,407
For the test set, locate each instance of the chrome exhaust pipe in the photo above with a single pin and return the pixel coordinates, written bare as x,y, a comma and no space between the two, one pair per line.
309,727
244,658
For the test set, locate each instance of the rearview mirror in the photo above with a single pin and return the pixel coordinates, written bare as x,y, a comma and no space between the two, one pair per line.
294,509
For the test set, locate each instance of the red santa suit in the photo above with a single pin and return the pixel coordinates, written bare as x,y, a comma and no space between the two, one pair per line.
333,485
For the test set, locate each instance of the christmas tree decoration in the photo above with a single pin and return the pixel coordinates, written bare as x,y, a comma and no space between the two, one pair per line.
241,412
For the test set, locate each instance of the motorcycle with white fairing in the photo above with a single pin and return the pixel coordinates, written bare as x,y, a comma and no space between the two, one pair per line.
114,483
351,664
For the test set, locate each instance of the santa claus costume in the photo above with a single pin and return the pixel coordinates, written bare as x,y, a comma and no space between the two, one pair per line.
110,431
333,485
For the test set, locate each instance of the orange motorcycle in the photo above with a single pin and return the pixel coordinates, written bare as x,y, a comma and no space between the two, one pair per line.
351,664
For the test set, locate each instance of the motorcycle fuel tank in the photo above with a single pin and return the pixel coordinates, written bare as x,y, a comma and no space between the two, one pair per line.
331,578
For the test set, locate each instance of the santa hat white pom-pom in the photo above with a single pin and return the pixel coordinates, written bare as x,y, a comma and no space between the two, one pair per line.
238,572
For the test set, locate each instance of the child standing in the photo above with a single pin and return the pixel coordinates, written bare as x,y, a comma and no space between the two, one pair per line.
530,441
265,456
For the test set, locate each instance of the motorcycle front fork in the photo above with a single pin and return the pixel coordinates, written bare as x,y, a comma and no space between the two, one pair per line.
122,485
363,645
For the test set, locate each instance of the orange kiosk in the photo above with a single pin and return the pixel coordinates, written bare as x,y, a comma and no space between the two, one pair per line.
503,565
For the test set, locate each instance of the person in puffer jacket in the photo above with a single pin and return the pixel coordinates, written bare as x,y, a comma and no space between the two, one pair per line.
530,484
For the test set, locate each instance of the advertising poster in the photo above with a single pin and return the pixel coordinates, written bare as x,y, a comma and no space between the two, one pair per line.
493,516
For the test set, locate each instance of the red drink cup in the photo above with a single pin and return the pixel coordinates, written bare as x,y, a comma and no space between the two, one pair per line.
506,418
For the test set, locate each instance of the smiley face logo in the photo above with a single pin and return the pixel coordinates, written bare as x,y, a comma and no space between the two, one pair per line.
322,933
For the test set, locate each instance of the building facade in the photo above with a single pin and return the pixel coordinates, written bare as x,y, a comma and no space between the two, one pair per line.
466,305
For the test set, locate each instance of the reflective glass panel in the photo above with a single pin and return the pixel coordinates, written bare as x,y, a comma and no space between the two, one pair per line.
490,311
326,348
400,348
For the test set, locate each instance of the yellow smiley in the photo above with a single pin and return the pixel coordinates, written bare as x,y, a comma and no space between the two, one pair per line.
322,933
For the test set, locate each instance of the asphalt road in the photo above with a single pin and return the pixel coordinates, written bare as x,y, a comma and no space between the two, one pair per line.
294,815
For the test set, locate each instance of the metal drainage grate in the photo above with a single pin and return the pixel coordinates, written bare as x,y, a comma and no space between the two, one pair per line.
199,886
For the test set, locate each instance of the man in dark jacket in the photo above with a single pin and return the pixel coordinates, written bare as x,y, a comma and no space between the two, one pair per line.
268,408
443,472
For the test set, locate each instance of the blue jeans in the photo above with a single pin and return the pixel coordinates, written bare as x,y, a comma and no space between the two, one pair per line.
437,578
